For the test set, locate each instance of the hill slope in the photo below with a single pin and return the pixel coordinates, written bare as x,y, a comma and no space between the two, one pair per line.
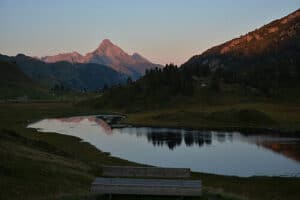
15,84
75,76
268,56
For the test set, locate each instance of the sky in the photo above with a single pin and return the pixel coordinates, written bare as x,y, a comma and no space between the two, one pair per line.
163,31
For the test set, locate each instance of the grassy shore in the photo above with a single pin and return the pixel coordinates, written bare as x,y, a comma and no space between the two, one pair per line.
53,166
240,116
230,109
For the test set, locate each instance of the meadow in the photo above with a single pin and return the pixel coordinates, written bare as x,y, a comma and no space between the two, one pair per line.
53,166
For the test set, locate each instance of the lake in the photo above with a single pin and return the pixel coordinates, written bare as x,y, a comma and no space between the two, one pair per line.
217,152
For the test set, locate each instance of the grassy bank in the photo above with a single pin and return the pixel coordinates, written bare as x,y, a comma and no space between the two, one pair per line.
231,108
239,116
48,165
53,166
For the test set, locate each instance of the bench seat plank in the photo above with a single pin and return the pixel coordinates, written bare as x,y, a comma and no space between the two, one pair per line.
129,171
147,186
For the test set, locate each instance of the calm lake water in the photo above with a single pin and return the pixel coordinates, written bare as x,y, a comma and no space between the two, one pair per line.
203,151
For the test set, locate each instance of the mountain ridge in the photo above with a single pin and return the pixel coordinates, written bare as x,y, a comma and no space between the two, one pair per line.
111,55
253,43
266,58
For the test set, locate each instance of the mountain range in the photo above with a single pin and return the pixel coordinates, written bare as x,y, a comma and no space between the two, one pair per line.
108,65
75,76
110,55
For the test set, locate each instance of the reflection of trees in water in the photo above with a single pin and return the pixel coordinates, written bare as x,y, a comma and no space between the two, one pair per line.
173,139
230,137
197,139
279,143
207,138
188,139
221,137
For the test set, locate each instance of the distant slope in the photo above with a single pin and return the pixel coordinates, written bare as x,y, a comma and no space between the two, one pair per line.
69,75
15,84
269,55
73,57
110,55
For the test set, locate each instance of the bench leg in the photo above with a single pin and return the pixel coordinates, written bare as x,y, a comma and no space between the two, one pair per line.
108,196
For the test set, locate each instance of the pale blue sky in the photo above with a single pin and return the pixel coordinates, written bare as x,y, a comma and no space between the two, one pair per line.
162,30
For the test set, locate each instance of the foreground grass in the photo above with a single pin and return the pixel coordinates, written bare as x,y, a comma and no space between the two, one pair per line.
44,165
53,166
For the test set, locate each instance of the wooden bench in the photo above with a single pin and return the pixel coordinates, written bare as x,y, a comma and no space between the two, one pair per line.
145,186
163,187
128,171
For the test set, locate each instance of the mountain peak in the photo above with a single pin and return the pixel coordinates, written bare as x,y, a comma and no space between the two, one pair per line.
108,48
75,53
106,43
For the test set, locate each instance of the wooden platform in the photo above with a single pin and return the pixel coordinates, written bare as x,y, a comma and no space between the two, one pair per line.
162,187
128,171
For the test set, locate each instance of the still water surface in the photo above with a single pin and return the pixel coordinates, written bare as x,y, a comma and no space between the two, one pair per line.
203,151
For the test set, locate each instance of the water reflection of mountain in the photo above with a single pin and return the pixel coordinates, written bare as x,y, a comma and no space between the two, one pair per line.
287,144
77,120
290,150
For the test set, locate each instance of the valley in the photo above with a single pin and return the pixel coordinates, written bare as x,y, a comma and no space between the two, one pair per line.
230,113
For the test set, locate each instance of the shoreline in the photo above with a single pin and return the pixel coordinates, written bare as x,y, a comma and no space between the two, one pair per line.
123,123
120,125
108,154
248,130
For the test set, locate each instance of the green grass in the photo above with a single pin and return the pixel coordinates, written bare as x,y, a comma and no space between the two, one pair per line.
252,188
53,166
230,108
260,115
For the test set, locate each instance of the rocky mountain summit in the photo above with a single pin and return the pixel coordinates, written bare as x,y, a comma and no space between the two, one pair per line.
111,55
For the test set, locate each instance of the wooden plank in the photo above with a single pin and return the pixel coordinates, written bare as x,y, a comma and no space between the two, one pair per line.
128,171
147,187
